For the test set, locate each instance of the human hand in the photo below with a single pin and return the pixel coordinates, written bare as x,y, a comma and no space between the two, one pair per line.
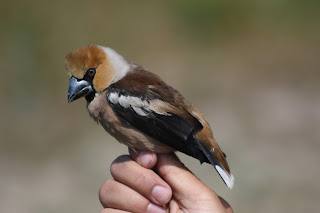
149,182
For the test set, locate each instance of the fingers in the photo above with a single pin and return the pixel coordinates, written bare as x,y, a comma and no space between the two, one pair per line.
146,159
115,195
183,183
134,192
144,181
137,188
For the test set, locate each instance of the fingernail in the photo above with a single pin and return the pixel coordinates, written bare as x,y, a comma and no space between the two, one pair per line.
155,209
161,194
145,158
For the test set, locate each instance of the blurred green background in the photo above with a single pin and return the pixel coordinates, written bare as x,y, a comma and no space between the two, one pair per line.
252,67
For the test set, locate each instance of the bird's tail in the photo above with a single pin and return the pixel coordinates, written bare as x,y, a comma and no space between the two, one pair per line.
218,160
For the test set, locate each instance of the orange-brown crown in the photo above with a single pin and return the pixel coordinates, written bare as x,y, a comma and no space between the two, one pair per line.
79,60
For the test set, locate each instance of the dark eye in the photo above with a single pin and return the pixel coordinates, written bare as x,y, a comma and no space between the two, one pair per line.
92,72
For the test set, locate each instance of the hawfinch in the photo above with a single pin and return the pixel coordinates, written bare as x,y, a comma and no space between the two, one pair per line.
139,109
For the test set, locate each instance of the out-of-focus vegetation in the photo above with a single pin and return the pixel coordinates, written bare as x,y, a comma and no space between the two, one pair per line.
252,67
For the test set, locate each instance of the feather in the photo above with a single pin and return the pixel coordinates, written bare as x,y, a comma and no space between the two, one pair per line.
226,176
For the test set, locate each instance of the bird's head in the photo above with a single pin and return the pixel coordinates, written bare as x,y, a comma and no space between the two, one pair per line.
92,69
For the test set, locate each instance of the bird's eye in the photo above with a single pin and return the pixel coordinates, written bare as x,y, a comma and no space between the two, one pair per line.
92,71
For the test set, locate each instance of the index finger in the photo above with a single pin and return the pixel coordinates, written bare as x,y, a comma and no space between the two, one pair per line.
144,181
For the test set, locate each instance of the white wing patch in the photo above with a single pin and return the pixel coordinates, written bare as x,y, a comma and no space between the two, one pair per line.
139,103
113,98
139,111
141,107
125,101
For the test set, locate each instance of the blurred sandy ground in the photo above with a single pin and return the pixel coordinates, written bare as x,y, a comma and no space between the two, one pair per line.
252,68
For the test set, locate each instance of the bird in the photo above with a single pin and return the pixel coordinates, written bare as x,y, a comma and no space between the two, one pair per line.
139,109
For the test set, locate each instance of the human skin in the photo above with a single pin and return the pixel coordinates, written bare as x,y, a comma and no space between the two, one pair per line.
149,182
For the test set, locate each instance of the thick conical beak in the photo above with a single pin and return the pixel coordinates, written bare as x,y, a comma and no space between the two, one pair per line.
78,89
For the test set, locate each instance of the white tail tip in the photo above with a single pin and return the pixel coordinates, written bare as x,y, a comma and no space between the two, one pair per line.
228,179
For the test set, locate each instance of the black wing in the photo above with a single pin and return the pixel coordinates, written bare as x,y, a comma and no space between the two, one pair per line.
167,127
